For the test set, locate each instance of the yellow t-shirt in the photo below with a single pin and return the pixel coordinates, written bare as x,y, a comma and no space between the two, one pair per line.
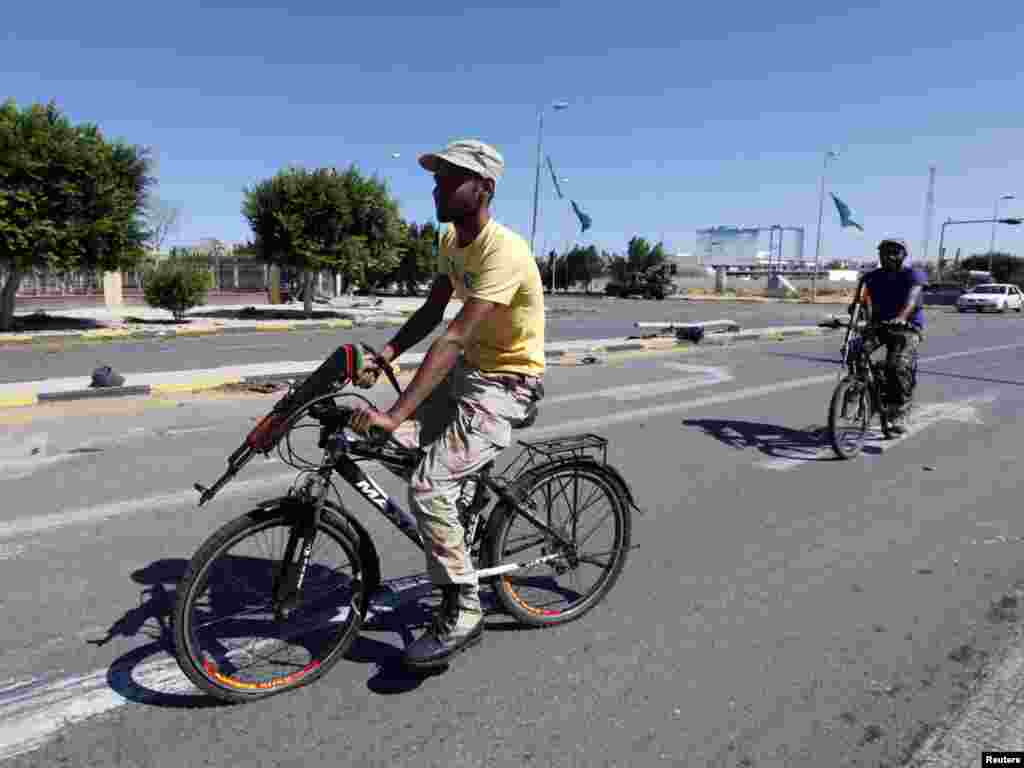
499,267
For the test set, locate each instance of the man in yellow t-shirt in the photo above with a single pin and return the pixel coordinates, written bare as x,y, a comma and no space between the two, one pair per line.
479,379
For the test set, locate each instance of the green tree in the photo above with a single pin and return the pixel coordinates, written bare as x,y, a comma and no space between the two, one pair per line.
69,199
419,256
321,219
547,266
584,265
178,282
377,223
638,254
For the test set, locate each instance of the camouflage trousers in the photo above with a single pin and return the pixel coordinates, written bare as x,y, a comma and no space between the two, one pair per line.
901,362
463,424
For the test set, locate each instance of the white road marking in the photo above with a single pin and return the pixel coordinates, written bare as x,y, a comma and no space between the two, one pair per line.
700,376
639,414
964,411
172,431
583,425
33,711
969,352
16,469
29,526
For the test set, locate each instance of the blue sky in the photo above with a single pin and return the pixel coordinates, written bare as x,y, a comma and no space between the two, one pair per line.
682,115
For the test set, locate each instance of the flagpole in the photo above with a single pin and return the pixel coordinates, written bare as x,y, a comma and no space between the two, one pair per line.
821,211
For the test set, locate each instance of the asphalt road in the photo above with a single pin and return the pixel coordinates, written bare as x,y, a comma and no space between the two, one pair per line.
570,318
783,608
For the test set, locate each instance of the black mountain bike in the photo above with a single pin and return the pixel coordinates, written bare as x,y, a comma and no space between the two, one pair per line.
273,599
863,388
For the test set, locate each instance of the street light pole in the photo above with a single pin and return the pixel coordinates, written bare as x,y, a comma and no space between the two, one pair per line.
995,218
536,182
942,239
821,210
1008,220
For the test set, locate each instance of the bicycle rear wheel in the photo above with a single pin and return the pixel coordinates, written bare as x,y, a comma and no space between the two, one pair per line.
849,415
230,641
587,508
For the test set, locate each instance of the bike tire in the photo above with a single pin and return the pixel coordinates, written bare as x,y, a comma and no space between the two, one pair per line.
205,673
508,587
845,450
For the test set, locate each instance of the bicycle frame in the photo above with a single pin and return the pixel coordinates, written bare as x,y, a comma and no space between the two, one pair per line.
337,459
337,448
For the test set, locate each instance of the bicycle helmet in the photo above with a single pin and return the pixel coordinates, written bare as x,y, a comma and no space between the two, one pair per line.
892,252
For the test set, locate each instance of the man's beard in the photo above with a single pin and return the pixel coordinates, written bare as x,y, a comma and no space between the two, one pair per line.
449,214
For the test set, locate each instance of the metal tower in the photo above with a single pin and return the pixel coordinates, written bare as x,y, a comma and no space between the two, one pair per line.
929,212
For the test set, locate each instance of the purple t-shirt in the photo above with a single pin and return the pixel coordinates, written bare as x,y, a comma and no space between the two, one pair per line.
890,291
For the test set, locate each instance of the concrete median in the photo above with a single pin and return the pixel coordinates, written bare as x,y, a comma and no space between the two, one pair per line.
567,353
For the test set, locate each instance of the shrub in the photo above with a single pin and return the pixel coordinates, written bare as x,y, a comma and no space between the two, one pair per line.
177,284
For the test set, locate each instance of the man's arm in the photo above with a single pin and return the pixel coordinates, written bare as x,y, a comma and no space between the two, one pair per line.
441,357
423,321
911,305
861,296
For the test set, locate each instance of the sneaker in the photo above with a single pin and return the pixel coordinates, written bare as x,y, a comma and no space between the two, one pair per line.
456,626
898,424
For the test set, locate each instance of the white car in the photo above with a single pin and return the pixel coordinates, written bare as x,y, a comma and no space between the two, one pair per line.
997,297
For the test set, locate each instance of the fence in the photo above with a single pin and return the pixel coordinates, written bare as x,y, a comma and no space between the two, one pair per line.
228,275
235,280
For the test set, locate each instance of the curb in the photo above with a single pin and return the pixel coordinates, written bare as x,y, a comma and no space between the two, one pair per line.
721,339
270,326
568,354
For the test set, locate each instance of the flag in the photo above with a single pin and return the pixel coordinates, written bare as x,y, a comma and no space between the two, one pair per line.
584,219
845,215
554,178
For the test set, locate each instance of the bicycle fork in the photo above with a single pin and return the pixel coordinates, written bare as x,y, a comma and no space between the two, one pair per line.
292,570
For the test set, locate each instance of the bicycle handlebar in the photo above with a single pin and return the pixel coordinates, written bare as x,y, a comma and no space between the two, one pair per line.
337,370
385,366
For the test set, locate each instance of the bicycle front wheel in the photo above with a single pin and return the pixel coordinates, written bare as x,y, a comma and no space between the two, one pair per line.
849,415
230,637
560,583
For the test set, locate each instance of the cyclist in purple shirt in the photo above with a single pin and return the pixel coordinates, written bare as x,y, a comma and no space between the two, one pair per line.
892,297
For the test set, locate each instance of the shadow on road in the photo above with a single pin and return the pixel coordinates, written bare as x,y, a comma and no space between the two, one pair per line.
985,379
284,313
41,320
809,358
145,675
770,439
920,372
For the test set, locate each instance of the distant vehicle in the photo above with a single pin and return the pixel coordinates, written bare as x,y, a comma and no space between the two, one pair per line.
997,297
651,283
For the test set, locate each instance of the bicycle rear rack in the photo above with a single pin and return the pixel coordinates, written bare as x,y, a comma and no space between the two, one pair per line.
536,452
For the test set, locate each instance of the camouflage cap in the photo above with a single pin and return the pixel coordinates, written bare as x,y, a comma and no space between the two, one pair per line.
473,155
